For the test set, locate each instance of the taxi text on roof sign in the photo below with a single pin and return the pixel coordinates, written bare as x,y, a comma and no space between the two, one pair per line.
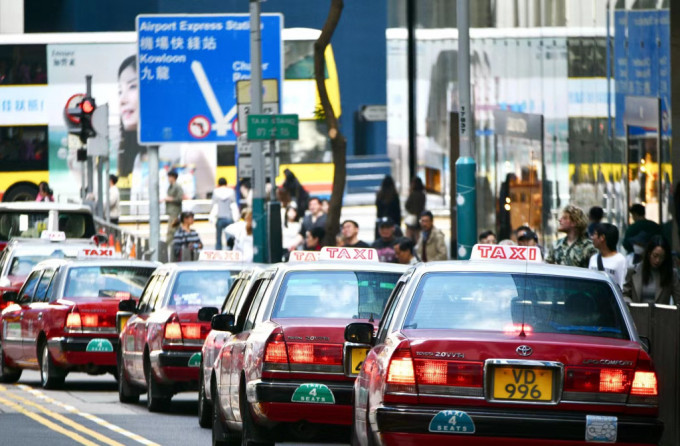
97,253
53,236
506,252
224,256
303,256
361,254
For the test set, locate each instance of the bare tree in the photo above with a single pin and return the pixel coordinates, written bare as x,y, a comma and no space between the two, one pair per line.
338,141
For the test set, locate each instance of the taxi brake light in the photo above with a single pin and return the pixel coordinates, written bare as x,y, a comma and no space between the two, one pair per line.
275,350
431,372
73,321
400,369
452,373
315,354
191,331
644,384
517,328
614,381
89,320
173,330
301,353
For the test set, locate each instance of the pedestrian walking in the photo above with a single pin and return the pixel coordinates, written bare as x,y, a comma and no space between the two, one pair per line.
315,218
640,223
186,242
44,192
223,210
387,203
313,239
242,234
297,193
114,200
575,249
432,245
173,206
403,249
350,235
654,280
415,205
384,244
605,237
595,215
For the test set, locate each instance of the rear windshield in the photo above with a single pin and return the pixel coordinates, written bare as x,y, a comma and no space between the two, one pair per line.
21,265
334,294
30,224
204,288
502,302
106,281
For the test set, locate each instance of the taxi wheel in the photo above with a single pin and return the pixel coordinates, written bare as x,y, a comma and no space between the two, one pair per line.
7,374
156,400
253,435
221,436
205,416
126,391
51,376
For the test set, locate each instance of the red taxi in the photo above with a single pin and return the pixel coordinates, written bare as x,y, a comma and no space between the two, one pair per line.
63,318
495,352
284,366
233,312
21,255
161,343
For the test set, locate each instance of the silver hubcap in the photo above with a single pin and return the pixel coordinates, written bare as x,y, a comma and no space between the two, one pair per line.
44,367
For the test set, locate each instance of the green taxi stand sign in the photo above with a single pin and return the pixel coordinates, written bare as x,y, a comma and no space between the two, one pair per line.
272,127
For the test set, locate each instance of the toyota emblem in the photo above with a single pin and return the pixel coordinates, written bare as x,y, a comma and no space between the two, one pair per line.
524,350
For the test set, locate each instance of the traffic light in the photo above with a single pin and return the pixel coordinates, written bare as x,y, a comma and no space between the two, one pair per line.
87,107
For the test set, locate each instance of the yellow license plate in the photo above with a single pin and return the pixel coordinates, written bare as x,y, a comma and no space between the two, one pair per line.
523,384
358,357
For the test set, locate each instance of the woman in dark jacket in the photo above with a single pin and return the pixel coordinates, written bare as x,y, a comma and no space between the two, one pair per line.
387,202
415,205
653,280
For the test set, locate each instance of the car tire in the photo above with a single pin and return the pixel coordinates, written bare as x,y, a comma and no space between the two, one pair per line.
221,436
51,376
252,435
156,399
205,408
127,393
22,192
8,375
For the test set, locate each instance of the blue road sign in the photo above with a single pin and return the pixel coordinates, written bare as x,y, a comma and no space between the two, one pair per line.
188,69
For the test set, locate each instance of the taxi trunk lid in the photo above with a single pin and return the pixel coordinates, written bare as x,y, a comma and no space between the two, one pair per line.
92,316
552,369
311,346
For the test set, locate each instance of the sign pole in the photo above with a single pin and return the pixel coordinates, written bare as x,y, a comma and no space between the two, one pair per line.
466,168
259,220
154,204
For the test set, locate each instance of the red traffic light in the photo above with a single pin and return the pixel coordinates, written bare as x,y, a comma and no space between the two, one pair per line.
87,106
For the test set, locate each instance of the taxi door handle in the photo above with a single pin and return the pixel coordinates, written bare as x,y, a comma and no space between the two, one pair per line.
39,316
21,316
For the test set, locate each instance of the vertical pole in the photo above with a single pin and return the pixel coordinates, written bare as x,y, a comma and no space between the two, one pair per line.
659,152
154,205
89,164
609,88
259,220
107,203
411,73
274,171
466,168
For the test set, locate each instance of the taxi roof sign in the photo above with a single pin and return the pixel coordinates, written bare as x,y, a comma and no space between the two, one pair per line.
506,252
358,254
97,253
224,256
303,256
53,236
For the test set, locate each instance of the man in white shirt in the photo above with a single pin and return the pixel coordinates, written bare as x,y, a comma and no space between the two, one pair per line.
605,237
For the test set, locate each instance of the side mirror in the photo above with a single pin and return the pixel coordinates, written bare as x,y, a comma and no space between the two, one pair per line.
127,305
10,296
359,333
205,314
223,322
646,343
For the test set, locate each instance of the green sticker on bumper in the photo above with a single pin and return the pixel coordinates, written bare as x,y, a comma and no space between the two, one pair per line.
313,393
195,360
99,345
453,422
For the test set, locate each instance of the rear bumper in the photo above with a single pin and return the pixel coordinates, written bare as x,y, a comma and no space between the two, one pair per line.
74,351
173,367
273,403
410,425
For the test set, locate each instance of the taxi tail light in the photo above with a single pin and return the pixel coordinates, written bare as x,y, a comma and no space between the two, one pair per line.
594,380
315,354
401,377
645,388
449,373
73,321
275,349
191,331
173,330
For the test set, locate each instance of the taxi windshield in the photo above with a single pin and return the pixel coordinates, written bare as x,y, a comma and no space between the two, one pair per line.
506,302
106,281
30,224
203,288
334,294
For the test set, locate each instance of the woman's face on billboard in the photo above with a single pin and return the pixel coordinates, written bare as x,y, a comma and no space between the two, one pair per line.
129,98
